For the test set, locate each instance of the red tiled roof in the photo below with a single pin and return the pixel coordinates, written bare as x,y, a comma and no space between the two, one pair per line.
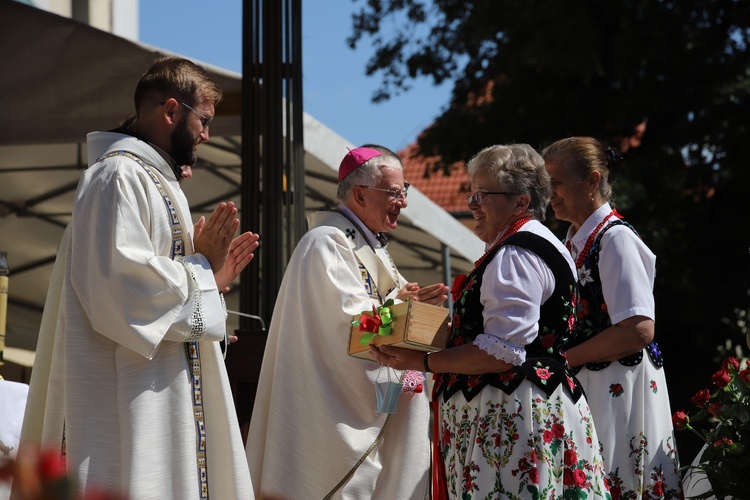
448,191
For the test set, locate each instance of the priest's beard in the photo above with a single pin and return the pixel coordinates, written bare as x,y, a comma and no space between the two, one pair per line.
183,144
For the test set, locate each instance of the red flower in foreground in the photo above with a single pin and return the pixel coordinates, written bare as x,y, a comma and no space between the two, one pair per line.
720,378
715,409
701,398
730,361
745,376
680,419
51,465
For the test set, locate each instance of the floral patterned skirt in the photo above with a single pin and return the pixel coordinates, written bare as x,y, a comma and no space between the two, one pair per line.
630,405
519,446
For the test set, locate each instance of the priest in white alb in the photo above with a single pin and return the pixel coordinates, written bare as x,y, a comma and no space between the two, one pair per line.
129,381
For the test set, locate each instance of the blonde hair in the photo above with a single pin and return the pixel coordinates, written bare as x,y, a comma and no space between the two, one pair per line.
584,155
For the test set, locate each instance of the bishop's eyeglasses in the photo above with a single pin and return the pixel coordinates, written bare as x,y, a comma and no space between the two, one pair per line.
396,194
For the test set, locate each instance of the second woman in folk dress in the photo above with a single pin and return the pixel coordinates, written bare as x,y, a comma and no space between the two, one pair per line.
511,421
620,366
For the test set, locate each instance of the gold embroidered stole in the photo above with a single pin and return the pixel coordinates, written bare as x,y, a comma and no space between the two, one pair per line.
377,272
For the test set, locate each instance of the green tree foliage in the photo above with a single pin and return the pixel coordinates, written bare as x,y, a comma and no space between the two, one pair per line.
535,71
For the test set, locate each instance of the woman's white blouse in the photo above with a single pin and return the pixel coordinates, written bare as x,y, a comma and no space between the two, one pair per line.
626,267
514,286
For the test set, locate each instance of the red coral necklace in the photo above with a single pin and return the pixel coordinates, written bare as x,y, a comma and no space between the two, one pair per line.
590,240
511,230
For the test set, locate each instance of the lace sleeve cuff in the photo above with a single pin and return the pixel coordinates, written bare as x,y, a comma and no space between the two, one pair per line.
196,321
501,350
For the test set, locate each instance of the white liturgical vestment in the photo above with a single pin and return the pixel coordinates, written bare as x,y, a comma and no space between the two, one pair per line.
315,410
112,382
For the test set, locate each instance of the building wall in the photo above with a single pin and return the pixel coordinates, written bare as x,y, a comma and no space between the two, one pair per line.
116,16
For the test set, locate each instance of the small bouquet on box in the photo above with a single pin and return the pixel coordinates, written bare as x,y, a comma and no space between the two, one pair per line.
725,459
377,322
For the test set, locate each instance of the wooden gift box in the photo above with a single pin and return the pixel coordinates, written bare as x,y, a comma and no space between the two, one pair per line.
416,325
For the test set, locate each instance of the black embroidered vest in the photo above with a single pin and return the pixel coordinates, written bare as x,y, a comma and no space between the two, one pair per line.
592,314
544,365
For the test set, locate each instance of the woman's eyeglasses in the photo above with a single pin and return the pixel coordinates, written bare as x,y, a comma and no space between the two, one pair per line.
478,197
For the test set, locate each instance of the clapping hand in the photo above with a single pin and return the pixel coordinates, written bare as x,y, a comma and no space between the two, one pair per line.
240,254
212,238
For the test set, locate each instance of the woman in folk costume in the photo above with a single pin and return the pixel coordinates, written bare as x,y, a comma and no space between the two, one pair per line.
618,364
511,421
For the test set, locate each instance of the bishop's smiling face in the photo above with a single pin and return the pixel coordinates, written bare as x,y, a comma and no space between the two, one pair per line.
380,210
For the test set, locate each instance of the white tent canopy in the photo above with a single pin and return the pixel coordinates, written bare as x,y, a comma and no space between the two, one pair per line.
61,79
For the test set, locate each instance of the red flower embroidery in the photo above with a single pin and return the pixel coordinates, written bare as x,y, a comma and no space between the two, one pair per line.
659,489
507,376
446,436
548,340
456,324
534,476
543,373
616,390
568,479
571,383
579,477
473,381
547,437
571,457
616,492
558,431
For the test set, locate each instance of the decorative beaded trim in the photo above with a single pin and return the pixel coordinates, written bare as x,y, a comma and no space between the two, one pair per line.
197,324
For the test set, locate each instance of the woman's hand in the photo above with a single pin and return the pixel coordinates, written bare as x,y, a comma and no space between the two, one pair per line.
466,359
398,358
627,337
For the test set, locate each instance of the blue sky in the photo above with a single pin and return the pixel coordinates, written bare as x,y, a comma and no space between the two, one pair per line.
336,90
